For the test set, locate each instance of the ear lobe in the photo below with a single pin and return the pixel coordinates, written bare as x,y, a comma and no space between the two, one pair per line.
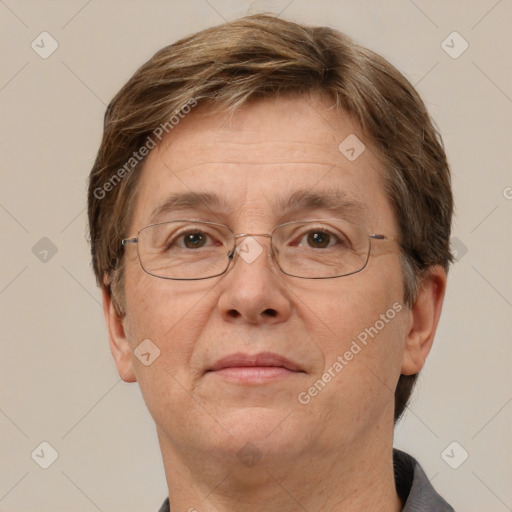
119,344
425,314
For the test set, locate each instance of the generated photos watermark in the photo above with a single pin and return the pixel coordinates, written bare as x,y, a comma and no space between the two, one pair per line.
137,156
356,347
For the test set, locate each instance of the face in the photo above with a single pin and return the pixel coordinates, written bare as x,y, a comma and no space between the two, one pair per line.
256,356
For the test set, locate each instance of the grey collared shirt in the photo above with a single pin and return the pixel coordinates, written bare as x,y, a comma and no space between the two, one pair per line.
414,488
412,485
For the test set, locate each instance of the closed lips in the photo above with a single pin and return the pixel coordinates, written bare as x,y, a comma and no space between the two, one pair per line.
261,360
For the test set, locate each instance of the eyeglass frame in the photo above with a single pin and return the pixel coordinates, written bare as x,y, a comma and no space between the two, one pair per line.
236,236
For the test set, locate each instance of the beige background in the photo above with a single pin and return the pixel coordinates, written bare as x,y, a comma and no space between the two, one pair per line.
57,380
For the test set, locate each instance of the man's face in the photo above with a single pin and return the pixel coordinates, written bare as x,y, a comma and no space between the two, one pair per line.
253,162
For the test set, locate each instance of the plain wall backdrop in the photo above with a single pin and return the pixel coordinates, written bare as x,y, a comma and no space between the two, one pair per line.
57,379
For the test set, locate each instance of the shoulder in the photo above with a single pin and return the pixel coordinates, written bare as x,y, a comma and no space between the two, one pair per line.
414,487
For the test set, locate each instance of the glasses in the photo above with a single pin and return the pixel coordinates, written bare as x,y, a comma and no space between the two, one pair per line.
313,249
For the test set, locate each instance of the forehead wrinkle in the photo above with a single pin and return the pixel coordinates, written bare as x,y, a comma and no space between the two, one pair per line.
238,162
267,152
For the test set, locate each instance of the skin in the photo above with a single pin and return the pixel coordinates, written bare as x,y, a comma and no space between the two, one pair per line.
334,453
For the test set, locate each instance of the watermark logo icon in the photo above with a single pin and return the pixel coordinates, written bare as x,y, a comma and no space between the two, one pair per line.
458,248
146,352
454,45
249,250
44,250
351,147
44,455
44,45
454,455
249,455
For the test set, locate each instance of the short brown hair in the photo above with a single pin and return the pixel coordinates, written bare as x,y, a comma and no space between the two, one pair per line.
263,56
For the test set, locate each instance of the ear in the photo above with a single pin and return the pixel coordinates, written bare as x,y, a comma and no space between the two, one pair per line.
425,316
119,344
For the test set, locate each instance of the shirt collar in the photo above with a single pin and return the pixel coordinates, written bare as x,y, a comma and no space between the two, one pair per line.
414,487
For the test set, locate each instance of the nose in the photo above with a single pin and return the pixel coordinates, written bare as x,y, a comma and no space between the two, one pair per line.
253,288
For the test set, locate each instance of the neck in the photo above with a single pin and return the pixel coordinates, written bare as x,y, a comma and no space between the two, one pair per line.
356,479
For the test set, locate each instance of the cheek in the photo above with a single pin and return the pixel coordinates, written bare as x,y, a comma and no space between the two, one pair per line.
172,314
360,328
339,310
153,305
362,366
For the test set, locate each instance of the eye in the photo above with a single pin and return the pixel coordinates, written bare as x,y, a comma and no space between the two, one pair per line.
318,239
193,240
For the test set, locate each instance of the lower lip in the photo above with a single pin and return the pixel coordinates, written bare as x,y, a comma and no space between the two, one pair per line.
254,374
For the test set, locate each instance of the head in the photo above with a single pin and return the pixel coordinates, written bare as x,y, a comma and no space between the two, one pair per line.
254,111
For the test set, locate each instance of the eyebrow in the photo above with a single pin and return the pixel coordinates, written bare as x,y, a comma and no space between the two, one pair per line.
333,200
186,201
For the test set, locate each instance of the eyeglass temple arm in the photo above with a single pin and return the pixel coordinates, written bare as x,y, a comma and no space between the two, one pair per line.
127,241
378,236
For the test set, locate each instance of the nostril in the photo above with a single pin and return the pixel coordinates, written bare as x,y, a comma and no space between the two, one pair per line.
233,313
270,312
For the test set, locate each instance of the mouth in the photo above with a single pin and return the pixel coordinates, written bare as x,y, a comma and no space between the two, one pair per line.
254,369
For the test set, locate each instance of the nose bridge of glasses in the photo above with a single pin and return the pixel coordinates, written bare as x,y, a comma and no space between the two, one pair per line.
249,250
248,236
243,235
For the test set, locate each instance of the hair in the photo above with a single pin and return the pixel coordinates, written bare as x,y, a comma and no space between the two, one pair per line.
262,56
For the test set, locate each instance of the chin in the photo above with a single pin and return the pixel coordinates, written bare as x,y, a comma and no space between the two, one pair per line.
273,432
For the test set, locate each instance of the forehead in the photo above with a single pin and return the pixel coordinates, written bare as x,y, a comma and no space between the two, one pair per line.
254,160
288,129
